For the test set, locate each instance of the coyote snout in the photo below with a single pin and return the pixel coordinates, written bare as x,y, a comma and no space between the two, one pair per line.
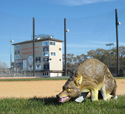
70,90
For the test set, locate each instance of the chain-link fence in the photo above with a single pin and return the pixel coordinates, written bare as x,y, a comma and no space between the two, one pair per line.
87,38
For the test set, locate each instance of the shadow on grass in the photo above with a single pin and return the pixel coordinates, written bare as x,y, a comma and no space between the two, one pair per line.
52,100
46,101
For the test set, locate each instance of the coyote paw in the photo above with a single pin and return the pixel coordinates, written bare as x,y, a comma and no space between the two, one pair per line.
79,99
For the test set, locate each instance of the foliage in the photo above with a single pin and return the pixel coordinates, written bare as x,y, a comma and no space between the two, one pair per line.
108,57
3,66
52,106
12,64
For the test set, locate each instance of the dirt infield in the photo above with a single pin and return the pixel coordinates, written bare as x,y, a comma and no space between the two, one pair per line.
29,89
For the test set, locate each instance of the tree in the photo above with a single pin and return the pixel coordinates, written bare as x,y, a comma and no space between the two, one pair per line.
12,64
3,66
81,58
108,57
101,54
92,54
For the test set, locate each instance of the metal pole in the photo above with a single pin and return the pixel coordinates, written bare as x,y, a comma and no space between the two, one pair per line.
117,42
110,57
33,46
110,44
65,45
10,53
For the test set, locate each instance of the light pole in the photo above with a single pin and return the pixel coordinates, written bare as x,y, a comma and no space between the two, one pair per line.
117,42
10,52
33,46
65,30
110,44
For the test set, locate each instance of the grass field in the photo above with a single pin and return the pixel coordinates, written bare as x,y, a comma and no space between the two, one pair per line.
52,106
34,79
39,79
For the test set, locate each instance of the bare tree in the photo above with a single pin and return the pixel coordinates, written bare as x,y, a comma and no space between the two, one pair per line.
3,66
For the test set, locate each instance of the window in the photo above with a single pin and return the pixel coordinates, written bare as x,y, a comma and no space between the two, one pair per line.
52,43
60,49
45,74
45,43
46,66
53,54
38,59
45,48
45,59
17,47
45,54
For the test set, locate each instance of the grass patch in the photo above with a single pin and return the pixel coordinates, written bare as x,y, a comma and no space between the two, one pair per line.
35,79
52,106
39,79
119,77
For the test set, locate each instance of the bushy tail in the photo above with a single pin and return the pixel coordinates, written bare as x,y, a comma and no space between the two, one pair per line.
114,89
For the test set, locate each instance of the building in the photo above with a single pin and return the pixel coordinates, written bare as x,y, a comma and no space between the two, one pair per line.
48,57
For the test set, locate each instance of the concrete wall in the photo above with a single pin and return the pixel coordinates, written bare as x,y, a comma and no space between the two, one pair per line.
56,61
25,52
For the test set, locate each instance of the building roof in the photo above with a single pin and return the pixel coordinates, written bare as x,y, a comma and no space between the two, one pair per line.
37,40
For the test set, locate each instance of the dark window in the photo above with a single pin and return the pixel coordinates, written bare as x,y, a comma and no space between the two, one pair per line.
45,59
45,43
53,54
46,66
45,54
45,48
52,43
38,59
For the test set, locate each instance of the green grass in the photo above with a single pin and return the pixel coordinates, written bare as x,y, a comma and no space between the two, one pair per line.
52,106
35,79
39,79
120,77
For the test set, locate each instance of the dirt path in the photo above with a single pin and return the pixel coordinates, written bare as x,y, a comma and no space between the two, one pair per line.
29,89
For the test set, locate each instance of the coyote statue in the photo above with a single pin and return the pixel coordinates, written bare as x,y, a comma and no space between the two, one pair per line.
91,76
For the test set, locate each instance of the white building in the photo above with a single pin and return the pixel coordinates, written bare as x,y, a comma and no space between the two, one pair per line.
48,57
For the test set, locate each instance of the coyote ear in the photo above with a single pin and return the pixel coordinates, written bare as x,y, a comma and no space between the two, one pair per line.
78,80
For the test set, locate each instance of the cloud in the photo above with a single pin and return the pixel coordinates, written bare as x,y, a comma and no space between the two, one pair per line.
93,45
83,46
78,2
104,43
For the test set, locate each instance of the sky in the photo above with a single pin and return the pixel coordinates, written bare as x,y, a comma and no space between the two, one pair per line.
91,23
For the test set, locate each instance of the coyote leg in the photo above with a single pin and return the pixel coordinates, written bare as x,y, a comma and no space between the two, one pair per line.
106,96
81,97
94,94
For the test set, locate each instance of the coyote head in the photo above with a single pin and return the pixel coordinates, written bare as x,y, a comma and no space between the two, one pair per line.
71,89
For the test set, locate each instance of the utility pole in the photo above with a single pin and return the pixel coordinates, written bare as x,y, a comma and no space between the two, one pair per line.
65,45
11,41
33,46
117,42
65,30
10,53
